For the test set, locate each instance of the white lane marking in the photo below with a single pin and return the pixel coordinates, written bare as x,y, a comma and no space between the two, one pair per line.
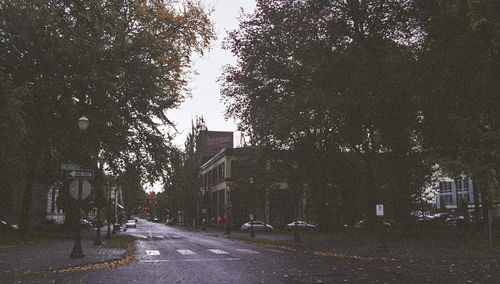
187,260
247,251
140,236
153,252
185,251
218,251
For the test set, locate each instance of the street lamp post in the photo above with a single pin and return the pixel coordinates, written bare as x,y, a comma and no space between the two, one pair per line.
77,252
108,233
114,212
203,210
379,207
228,212
97,240
252,233
296,236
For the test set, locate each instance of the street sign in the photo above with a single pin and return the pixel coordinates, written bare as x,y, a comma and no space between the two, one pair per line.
70,167
380,210
81,174
86,189
203,211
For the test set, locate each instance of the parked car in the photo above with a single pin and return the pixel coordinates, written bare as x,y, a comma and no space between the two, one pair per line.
4,226
441,216
131,224
257,226
301,225
425,219
363,223
85,223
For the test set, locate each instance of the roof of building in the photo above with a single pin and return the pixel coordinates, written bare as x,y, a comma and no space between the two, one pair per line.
222,153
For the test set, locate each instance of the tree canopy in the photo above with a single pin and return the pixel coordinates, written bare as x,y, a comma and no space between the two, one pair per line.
122,64
327,77
403,84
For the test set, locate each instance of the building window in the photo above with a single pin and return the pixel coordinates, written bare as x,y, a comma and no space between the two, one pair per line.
458,184
445,187
466,198
446,199
214,176
466,184
222,171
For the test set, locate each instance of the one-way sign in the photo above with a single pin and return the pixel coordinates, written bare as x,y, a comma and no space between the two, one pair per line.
81,174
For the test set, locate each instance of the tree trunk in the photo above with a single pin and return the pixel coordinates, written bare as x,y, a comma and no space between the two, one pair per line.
24,220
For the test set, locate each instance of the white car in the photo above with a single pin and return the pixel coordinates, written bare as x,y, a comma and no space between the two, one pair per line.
131,224
257,226
301,225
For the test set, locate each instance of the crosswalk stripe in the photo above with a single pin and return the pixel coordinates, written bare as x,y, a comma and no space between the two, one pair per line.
153,252
187,260
218,251
185,251
140,236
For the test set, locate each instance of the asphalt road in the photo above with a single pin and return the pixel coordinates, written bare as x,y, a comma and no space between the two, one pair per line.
169,254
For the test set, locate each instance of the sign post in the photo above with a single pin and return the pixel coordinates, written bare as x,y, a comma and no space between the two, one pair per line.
380,214
79,189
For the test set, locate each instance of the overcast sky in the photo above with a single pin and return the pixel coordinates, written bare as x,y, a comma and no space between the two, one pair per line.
206,100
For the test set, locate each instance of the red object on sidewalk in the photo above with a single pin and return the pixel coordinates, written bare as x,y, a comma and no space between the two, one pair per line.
222,222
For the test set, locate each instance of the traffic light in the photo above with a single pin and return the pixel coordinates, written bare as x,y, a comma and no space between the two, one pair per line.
142,208
148,208
156,202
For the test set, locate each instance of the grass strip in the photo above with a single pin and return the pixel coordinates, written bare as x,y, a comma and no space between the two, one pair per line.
120,242
19,238
266,241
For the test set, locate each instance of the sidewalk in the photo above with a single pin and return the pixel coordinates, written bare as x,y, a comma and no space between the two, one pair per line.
56,255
